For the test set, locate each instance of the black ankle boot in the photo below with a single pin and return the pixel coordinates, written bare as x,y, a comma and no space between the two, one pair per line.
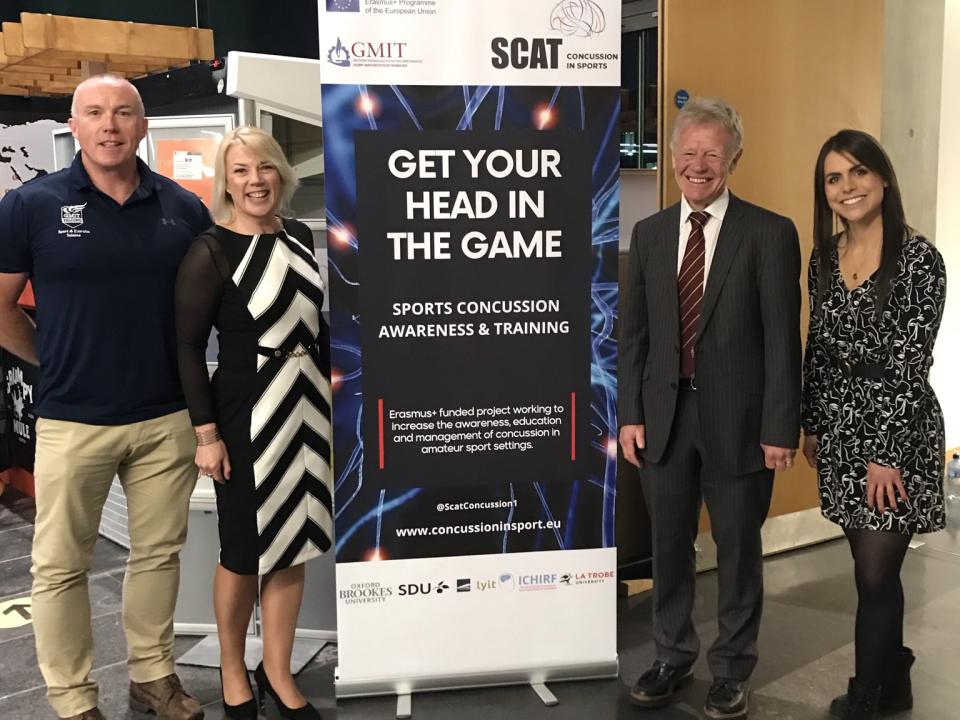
860,702
305,712
896,693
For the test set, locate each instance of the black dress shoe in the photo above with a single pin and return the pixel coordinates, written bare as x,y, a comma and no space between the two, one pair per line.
264,688
727,699
244,711
656,686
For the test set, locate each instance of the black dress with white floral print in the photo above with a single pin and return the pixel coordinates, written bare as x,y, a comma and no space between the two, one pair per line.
894,420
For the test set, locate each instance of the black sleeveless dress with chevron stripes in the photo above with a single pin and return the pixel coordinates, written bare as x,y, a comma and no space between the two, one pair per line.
270,395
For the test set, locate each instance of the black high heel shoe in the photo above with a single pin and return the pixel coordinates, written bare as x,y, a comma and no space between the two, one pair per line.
245,710
307,712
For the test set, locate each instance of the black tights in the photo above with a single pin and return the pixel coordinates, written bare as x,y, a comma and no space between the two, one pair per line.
877,556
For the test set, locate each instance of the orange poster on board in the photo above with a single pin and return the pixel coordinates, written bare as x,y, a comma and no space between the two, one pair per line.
189,162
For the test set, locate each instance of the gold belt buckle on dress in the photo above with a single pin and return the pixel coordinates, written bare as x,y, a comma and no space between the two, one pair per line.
299,352
296,352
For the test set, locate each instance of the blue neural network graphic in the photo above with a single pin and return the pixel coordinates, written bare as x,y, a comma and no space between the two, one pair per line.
366,516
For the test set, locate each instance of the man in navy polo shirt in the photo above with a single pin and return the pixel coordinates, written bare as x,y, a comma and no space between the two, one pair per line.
101,242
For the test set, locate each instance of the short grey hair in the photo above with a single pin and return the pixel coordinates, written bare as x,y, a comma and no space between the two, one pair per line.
708,110
107,78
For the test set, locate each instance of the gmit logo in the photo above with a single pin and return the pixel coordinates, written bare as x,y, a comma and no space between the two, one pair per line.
383,50
72,215
411,589
463,585
339,55
526,53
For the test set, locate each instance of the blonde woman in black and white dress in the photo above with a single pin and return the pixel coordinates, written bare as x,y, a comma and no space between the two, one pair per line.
263,422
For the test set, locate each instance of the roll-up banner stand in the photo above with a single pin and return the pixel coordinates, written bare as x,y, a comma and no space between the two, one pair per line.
471,155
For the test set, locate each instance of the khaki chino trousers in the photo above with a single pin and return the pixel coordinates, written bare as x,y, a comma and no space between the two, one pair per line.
74,468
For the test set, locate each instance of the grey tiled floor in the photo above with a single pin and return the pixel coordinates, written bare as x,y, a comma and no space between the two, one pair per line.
22,696
805,648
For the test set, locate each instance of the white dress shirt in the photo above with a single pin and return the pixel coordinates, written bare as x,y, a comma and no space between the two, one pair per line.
711,231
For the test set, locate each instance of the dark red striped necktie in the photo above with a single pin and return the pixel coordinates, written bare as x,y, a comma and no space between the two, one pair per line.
690,291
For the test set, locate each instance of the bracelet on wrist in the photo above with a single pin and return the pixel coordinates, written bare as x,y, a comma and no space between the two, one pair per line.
207,437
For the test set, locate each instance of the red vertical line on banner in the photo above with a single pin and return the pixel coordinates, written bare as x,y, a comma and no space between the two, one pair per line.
573,426
380,424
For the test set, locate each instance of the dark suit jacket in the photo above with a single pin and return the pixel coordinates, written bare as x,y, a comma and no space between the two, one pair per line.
748,342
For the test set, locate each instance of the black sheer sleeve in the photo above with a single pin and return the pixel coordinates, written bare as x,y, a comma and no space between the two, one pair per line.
199,289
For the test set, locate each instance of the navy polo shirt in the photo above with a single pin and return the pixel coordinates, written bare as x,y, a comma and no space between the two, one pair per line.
103,277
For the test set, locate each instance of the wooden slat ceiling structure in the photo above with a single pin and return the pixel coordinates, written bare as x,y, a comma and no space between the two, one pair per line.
45,55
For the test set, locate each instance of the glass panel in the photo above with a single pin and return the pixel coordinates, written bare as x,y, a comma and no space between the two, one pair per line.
302,143
648,98
638,99
630,100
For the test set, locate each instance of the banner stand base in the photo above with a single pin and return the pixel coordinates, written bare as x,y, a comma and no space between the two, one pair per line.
536,678
543,692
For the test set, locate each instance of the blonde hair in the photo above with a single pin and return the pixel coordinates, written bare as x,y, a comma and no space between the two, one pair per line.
264,147
706,110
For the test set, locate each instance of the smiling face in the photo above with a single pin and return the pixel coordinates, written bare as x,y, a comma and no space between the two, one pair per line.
107,121
253,184
702,161
853,191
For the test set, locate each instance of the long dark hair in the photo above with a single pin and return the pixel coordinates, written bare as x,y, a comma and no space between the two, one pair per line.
868,152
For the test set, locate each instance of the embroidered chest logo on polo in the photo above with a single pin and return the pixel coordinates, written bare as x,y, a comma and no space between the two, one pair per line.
72,215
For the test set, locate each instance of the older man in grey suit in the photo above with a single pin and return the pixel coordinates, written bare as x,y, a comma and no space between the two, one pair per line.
709,397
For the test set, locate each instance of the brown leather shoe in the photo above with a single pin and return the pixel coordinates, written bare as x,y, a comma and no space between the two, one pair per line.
165,697
91,714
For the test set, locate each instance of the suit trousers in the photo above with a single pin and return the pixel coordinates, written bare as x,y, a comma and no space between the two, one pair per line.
75,466
738,506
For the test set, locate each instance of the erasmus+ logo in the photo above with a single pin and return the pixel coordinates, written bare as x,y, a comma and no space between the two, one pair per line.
72,215
343,5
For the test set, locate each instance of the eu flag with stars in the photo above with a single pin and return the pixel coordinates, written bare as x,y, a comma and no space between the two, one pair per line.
343,5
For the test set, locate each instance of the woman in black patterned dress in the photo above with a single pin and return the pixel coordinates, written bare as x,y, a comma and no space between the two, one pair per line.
263,423
873,428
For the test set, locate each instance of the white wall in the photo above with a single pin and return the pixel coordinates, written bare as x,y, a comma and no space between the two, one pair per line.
28,150
910,126
947,353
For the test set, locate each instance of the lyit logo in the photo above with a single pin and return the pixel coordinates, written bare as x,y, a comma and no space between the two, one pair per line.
72,215
339,55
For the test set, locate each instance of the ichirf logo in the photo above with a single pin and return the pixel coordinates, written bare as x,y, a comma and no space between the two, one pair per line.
72,215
